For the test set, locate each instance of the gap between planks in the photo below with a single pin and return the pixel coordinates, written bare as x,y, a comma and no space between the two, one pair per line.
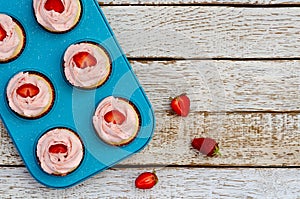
233,3
237,5
271,59
154,166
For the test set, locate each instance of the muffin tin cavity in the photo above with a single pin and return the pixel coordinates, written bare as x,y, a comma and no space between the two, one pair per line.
59,151
30,94
57,16
12,38
40,95
86,65
116,121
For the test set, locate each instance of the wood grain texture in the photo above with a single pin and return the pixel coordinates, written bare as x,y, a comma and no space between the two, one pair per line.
173,183
251,107
223,85
206,32
246,139
223,94
204,2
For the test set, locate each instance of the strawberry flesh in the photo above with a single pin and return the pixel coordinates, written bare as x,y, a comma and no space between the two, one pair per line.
206,146
146,180
115,117
58,148
55,5
84,59
181,105
3,33
28,90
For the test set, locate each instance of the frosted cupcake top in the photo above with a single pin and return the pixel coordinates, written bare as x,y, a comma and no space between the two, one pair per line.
9,38
86,65
29,94
59,151
57,15
115,121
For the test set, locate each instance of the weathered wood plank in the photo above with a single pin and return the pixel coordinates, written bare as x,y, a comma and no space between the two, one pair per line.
173,183
246,139
223,85
206,32
219,87
220,2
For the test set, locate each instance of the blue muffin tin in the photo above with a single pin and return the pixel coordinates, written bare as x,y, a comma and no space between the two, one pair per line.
73,108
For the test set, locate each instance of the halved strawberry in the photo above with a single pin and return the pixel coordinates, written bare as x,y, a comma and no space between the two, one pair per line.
3,33
84,59
28,90
181,105
55,5
115,117
206,146
58,148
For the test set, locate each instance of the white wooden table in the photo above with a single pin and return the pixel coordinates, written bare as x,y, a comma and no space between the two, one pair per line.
239,61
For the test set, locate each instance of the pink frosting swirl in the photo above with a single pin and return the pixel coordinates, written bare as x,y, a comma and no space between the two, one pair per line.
55,161
91,76
114,133
29,106
10,43
56,21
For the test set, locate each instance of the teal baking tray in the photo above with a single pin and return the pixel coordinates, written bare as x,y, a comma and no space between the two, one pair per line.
73,108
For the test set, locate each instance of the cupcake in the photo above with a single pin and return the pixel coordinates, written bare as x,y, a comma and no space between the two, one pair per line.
59,151
57,15
116,121
12,38
86,65
30,95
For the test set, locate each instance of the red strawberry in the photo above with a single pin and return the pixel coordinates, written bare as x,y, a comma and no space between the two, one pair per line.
146,180
115,117
206,146
84,59
28,90
58,148
181,105
3,33
55,5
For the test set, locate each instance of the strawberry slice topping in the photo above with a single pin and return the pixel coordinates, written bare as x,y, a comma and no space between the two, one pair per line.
3,33
55,5
84,59
115,117
58,148
28,90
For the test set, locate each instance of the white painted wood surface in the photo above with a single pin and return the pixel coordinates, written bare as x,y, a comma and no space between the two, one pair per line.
206,32
218,86
246,139
223,94
251,107
173,183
